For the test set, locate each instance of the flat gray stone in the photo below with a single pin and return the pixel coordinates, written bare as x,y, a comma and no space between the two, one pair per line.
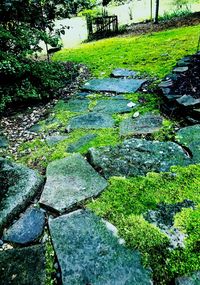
91,121
81,142
146,124
88,253
23,266
187,101
82,95
114,85
166,84
122,72
53,140
19,185
112,106
194,279
27,229
181,69
190,137
137,157
76,105
3,141
70,181
35,128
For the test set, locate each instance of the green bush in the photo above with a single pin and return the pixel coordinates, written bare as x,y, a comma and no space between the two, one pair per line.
28,80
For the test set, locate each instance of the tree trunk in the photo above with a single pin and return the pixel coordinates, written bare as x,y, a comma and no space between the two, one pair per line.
157,11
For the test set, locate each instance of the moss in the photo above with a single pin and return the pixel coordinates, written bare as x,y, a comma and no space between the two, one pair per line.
50,259
125,200
37,153
166,133
154,53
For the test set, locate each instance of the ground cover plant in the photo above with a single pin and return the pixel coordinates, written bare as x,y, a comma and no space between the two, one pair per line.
125,202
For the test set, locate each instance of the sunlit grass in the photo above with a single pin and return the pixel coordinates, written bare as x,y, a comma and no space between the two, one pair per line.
154,54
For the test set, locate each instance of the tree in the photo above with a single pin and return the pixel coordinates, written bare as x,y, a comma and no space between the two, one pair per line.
23,24
157,11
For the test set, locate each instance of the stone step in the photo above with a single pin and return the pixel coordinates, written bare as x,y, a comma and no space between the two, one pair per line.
88,253
70,181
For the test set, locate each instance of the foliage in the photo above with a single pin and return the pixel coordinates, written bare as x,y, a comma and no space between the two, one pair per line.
23,25
174,14
155,53
124,202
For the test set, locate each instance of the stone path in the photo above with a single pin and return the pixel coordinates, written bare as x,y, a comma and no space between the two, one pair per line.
87,251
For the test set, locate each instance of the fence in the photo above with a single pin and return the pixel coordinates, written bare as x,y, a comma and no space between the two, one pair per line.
101,27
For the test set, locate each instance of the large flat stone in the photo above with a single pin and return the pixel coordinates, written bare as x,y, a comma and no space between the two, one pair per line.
137,157
76,105
70,181
19,185
146,124
91,121
88,253
112,106
194,279
27,229
81,142
23,266
190,137
114,85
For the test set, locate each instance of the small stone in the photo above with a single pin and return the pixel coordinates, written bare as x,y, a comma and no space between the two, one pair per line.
188,100
180,69
131,105
166,84
27,229
136,114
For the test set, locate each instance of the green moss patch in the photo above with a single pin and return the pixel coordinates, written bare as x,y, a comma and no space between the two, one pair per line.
124,202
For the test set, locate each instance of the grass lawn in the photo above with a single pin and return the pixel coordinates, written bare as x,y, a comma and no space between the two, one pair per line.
154,54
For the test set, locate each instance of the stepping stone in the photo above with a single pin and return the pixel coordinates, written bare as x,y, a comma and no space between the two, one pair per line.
27,229
23,266
137,157
114,85
76,105
81,142
70,181
122,72
3,141
91,121
187,101
146,124
53,140
35,128
19,185
88,253
190,137
112,106
194,279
